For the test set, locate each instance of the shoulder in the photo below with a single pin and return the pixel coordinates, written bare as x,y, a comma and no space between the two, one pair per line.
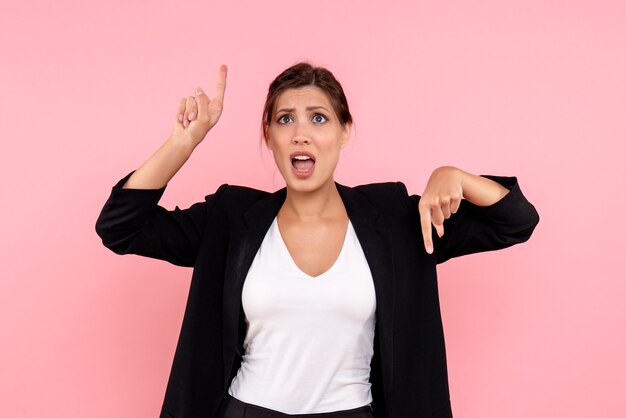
241,194
381,191
384,188
232,201
385,196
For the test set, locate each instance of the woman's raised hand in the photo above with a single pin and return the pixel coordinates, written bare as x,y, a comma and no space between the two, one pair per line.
194,118
196,115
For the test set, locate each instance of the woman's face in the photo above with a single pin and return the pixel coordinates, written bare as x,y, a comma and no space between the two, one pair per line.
306,136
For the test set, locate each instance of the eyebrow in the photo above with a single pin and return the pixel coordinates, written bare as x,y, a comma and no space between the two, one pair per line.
291,109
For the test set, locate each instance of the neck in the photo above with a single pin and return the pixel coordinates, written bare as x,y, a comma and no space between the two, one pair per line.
324,202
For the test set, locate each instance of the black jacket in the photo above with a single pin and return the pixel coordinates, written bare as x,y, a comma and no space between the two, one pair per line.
220,237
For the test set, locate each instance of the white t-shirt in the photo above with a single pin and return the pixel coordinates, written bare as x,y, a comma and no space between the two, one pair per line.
309,341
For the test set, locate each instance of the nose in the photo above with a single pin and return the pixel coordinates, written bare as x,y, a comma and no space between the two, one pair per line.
300,140
300,133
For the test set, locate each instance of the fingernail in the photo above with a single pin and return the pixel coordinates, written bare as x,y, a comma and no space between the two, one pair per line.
429,249
192,115
180,117
199,91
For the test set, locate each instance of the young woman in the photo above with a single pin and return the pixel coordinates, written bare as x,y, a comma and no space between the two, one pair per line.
318,300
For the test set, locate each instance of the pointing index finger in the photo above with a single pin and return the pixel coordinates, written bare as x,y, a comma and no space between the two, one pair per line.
426,229
221,84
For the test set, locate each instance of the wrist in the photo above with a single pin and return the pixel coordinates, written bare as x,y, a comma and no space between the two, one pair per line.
451,173
180,146
482,191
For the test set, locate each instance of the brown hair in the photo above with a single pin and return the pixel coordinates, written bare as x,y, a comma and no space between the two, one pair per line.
304,74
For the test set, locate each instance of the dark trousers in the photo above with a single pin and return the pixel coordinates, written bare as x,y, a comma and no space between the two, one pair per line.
238,409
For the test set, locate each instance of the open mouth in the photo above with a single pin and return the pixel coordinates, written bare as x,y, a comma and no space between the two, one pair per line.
303,163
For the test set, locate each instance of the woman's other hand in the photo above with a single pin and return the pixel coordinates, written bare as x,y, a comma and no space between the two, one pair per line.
197,114
439,201
445,189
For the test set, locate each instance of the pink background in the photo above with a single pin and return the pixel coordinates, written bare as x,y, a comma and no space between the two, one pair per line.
534,89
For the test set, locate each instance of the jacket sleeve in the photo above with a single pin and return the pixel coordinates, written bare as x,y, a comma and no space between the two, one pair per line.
473,229
132,222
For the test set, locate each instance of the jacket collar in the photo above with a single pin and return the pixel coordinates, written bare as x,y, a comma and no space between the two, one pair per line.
375,241
262,214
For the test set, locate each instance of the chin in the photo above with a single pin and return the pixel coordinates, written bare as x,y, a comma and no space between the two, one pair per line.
298,185
306,185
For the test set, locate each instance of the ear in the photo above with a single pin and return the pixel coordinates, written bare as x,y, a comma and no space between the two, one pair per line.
345,135
266,137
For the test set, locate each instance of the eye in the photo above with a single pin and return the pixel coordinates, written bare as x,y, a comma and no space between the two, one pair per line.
285,119
319,118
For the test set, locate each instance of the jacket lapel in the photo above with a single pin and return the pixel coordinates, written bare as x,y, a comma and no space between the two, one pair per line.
376,242
244,244
242,248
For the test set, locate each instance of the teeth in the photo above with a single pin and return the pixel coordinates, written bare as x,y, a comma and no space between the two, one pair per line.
302,157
